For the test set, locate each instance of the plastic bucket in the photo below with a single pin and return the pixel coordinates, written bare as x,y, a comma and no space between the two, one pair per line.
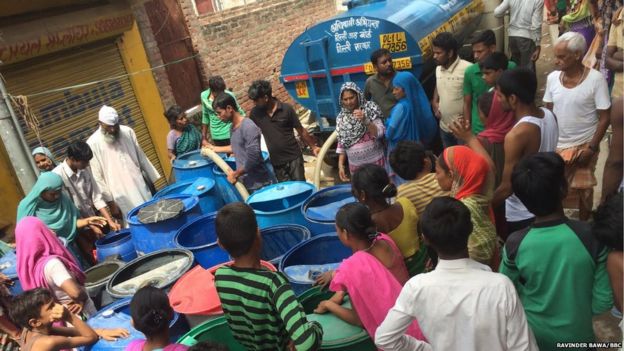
277,240
215,330
204,188
200,237
160,269
117,315
337,334
199,302
320,209
156,236
96,279
320,253
280,203
192,165
116,243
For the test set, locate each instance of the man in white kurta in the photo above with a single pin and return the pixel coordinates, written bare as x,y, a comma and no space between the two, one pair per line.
117,163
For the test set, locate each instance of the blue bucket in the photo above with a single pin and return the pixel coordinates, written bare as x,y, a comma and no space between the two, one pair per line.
320,209
280,203
277,240
152,237
116,243
320,253
204,188
200,237
192,165
117,315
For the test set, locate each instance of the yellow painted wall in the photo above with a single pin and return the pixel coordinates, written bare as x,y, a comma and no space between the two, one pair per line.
144,85
10,191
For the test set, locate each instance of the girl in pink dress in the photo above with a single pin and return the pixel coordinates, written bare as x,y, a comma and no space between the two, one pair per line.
373,276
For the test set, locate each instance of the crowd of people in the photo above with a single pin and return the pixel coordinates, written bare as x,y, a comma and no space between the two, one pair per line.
469,249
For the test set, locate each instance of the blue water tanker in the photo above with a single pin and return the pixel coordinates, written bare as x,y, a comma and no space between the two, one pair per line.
155,236
338,50
200,237
281,203
322,206
116,244
117,315
204,188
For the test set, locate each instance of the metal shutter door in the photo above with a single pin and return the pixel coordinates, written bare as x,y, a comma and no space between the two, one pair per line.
72,114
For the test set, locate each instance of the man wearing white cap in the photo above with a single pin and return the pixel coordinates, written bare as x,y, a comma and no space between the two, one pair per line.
118,162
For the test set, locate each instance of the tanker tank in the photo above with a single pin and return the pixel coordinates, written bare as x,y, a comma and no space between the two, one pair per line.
338,50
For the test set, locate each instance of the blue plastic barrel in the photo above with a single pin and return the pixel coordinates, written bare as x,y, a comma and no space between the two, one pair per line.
226,190
319,254
277,240
200,237
117,315
192,165
160,269
320,209
152,237
204,188
281,203
116,243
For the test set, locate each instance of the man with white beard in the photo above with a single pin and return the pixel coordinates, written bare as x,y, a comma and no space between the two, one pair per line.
117,164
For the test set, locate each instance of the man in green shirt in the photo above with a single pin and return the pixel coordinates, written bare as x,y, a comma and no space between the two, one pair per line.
474,85
557,265
219,130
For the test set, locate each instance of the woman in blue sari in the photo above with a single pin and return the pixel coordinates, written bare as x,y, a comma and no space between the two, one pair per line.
411,118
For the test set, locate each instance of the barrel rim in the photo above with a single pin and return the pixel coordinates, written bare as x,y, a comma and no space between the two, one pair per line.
124,235
306,203
119,265
109,285
296,247
177,234
185,183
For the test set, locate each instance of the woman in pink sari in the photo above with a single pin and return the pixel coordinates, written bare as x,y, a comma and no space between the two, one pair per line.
376,258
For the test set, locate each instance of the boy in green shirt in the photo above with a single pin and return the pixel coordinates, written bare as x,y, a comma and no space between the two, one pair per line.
557,265
219,130
259,305
474,85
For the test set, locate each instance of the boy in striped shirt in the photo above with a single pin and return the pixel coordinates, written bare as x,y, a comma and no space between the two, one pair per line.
260,306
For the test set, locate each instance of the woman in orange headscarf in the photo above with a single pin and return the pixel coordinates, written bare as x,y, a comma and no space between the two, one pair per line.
468,173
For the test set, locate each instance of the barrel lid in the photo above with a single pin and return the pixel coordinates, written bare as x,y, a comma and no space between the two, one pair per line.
190,160
337,332
278,193
199,187
161,210
7,263
189,297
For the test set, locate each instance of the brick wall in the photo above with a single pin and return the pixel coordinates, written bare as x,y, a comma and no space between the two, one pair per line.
153,53
247,43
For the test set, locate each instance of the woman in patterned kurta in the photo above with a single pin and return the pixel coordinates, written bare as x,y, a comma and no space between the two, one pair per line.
469,177
360,130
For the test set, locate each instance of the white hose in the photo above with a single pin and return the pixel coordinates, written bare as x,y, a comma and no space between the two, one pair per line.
226,169
319,159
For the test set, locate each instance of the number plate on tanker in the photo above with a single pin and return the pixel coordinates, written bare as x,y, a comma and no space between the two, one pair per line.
393,42
402,63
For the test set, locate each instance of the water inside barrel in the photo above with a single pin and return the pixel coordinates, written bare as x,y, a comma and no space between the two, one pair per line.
160,211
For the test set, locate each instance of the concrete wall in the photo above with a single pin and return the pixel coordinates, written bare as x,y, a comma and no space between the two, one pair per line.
248,42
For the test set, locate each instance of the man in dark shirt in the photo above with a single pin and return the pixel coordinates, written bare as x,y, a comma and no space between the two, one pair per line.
378,87
244,143
277,120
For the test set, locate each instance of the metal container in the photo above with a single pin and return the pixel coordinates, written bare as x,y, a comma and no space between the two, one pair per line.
96,279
